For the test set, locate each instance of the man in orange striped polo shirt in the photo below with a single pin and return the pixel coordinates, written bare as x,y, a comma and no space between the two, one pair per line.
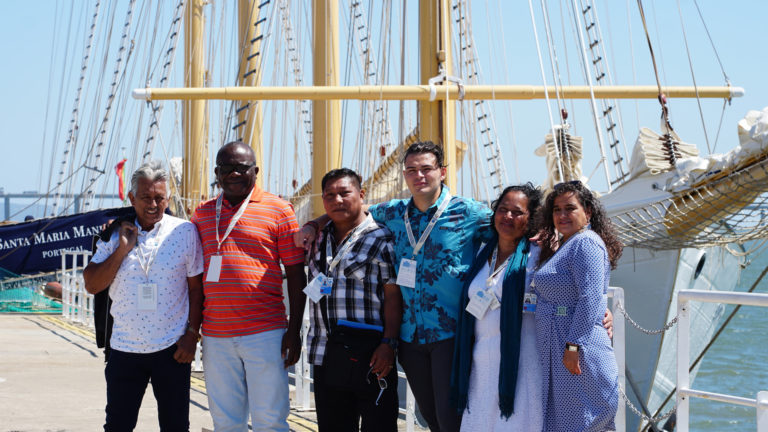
246,233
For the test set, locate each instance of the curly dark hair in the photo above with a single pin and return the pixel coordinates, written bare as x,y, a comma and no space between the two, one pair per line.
600,223
534,196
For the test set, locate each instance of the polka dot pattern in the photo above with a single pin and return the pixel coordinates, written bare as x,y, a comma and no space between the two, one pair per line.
571,304
177,255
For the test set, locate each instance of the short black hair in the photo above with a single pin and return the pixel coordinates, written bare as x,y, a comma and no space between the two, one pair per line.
341,173
425,147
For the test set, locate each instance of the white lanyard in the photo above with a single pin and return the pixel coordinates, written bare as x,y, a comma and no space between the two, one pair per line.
351,239
152,251
232,221
491,271
417,246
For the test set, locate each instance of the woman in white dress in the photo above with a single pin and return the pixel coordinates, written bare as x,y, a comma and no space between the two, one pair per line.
496,379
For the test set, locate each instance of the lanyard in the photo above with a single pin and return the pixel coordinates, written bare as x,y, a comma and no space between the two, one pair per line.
152,252
350,240
232,221
492,272
417,246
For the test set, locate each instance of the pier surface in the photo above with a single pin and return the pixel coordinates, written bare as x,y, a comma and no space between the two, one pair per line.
52,379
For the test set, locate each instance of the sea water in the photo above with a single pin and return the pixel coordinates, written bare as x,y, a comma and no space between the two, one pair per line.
737,362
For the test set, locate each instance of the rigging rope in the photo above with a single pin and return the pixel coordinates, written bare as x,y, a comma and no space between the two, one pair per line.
119,62
546,92
74,122
693,76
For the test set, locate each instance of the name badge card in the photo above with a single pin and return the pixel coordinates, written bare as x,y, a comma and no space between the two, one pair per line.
406,274
529,303
327,285
214,268
479,303
313,290
147,297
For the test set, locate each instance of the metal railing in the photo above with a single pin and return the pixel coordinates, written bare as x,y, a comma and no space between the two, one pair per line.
619,350
684,392
76,302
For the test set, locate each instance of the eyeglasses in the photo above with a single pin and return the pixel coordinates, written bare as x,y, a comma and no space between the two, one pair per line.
425,170
226,169
382,384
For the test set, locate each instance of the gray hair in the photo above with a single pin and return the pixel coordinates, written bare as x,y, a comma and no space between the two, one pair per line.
152,170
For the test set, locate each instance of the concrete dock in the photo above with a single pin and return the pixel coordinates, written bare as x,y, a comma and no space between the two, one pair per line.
52,379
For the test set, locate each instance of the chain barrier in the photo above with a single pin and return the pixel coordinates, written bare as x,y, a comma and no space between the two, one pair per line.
634,409
668,326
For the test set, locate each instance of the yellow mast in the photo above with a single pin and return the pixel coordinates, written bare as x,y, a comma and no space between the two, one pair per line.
437,118
422,92
249,114
195,126
326,119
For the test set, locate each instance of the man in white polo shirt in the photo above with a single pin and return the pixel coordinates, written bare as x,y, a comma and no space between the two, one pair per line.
153,268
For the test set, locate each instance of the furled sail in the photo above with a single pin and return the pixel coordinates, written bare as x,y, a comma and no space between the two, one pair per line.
709,201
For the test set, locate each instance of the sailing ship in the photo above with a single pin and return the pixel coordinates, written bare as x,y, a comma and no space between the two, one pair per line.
681,216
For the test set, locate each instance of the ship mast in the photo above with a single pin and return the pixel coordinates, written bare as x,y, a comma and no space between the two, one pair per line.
437,118
249,113
195,125
326,119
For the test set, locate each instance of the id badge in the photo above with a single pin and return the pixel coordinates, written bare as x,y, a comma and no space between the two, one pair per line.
313,288
326,286
406,273
529,303
147,297
479,304
214,268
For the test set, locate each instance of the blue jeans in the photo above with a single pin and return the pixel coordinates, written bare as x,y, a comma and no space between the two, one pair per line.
127,376
246,374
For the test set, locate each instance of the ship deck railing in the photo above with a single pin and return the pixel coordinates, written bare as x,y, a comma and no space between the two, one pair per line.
685,392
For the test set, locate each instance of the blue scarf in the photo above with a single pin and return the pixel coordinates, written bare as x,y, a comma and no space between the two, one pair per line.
513,289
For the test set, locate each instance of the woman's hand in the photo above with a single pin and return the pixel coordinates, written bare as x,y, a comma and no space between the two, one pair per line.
571,362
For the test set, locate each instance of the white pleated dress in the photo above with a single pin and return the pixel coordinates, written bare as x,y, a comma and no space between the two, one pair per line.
482,413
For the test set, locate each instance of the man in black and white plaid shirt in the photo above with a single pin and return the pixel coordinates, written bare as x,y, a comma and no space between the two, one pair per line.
363,291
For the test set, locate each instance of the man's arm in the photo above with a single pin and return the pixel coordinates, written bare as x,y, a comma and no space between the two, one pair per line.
98,276
383,359
307,234
187,343
297,280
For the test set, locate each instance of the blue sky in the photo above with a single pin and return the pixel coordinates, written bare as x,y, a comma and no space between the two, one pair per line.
738,29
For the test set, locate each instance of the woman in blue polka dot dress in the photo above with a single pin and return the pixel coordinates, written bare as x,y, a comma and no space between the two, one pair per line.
580,385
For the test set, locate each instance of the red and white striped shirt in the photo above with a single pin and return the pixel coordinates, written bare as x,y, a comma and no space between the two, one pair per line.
248,298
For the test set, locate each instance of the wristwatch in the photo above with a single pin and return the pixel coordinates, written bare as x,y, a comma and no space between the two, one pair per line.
392,342
571,347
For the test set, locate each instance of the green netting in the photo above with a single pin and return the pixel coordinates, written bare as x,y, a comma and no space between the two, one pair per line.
27,300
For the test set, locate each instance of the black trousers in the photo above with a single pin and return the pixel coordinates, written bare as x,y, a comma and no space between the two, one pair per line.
428,368
127,377
340,410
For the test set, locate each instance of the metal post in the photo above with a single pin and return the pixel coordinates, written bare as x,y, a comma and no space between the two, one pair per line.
197,365
619,350
683,361
410,408
762,411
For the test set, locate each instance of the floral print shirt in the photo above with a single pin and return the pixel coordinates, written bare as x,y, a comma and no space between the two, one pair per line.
431,308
